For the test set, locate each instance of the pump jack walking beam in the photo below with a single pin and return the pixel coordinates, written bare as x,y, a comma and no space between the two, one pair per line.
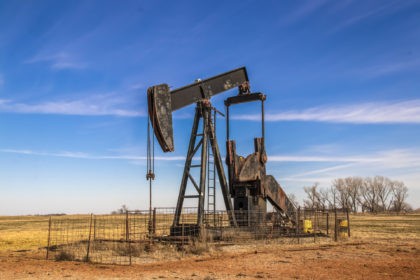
162,102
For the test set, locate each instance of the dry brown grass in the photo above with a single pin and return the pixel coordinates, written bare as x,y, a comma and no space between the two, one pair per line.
384,226
23,232
31,232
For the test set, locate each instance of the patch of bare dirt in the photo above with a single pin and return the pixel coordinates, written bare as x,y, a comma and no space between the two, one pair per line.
385,259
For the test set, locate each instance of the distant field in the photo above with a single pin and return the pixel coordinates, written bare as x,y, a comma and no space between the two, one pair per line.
385,226
23,232
31,232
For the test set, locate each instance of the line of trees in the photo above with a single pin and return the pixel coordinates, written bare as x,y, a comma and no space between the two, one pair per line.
374,195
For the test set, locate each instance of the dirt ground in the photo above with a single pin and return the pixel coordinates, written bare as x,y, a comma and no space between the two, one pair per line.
352,259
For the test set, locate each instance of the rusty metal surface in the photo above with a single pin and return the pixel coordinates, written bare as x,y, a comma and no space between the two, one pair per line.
250,186
245,98
160,114
250,170
206,137
192,93
275,193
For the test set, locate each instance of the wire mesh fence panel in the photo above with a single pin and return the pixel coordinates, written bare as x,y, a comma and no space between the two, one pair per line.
342,224
69,238
110,241
131,237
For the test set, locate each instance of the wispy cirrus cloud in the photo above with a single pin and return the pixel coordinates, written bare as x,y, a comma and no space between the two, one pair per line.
59,60
301,158
371,11
302,11
407,112
397,164
396,158
82,155
96,105
381,69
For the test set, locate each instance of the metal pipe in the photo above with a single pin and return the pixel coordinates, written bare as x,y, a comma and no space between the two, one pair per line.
262,120
227,123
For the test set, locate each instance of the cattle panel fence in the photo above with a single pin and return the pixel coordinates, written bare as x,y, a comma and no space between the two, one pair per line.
141,236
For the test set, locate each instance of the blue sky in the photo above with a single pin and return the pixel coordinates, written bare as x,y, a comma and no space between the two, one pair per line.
342,80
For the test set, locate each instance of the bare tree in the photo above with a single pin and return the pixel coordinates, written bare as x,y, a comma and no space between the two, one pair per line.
369,195
333,195
384,189
326,198
400,193
342,197
123,209
293,199
373,195
312,194
353,188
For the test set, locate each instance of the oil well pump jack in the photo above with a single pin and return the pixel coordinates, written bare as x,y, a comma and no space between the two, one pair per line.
248,184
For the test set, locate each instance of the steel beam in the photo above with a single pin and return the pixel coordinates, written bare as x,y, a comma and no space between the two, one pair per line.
187,166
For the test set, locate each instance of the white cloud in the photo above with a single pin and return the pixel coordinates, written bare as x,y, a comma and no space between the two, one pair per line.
302,11
400,164
371,12
365,113
136,86
323,170
97,105
299,158
59,61
81,155
388,68
397,158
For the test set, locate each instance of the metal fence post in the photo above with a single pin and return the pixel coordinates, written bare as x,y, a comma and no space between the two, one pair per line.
127,233
127,236
182,233
49,237
315,224
298,225
154,221
221,226
94,228
328,221
89,238
335,225
348,222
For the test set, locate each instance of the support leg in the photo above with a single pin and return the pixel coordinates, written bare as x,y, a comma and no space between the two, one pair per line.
187,166
203,169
